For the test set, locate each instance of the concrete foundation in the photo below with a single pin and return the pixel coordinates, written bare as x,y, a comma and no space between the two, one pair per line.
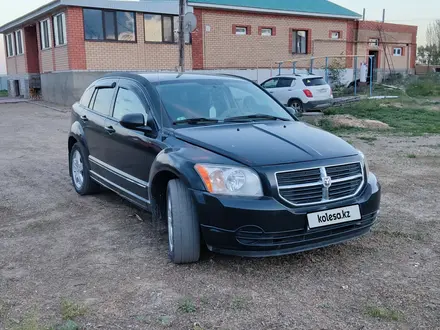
19,85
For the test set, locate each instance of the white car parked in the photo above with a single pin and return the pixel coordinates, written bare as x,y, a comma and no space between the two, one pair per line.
301,92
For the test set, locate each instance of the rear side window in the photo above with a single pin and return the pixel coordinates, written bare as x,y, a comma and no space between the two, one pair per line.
85,99
284,82
103,100
314,81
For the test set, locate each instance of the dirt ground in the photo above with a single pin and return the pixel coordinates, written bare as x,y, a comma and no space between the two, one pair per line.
95,251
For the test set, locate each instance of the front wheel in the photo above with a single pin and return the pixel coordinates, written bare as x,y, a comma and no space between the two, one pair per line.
79,171
297,105
183,225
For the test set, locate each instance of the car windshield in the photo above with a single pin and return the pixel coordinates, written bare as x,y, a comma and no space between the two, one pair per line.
217,100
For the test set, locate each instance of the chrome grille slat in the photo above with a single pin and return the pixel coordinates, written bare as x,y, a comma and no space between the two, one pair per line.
306,186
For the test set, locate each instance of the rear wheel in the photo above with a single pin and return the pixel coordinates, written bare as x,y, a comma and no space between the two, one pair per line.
79,171
183,225
297,105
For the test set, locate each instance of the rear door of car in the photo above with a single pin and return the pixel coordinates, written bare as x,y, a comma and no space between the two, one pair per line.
319,88
130,153
271,86
94,118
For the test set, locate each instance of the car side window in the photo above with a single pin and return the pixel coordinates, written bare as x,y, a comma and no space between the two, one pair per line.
272,83
103,100
284,82
85,99
127,102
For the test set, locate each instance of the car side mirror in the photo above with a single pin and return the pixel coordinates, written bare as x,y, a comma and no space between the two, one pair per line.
135,121
293,112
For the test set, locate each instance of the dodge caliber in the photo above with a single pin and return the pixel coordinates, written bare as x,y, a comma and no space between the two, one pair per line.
221,163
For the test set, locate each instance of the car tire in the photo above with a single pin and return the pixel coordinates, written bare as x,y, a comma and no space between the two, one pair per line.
183,225
297,105
80,171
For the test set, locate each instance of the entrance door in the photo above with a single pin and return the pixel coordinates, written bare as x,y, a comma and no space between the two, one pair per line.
375,66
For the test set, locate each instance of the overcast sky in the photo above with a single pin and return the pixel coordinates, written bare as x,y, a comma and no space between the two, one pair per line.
412,12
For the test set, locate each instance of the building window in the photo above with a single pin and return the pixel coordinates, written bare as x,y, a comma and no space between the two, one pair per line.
59,26
299,42
162,28
335,34
10,45
46,38
241,30
373,42
266,32
109,25
19,42
398,51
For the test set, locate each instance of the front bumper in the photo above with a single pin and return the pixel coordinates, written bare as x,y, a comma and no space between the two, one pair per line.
268,227
318,105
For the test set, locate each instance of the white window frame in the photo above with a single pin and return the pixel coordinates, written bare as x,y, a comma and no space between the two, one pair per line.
335,35
267,32
42,35
61,16
16,42
10,45
241,30
373,42
399,51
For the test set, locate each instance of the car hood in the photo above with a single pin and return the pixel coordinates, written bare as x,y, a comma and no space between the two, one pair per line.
269,143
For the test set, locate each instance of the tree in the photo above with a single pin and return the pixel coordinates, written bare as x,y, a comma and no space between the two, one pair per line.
430,54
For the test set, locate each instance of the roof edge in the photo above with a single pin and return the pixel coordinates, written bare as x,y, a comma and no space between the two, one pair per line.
33,14
273,11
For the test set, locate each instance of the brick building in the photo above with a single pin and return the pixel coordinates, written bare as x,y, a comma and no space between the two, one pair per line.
60,48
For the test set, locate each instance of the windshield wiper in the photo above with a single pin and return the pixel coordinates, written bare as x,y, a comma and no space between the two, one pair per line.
255,117
195,121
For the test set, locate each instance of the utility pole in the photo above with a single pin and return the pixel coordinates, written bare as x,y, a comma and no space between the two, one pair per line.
181,36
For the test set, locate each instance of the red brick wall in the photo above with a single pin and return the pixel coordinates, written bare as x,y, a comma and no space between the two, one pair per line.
219,48
31,48
197,41
76,48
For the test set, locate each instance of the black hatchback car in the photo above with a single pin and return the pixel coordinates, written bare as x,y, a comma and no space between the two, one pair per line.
222,163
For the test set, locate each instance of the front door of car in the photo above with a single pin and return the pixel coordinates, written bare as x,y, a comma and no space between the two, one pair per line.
271,86
131,153
284,89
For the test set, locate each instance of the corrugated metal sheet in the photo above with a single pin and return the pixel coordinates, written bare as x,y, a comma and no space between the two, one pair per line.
321,7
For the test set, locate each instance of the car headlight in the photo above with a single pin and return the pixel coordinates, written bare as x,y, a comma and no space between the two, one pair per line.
230,180
364,160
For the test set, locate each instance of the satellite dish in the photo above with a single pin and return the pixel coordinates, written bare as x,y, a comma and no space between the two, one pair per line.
189,22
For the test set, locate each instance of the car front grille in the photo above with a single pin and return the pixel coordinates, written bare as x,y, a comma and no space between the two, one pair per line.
320,184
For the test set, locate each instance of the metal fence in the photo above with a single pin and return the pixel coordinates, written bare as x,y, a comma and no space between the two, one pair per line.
343,73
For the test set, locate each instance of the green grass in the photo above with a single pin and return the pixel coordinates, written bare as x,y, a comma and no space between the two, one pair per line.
409,119
3,93
29,322
187,306
71,310
383,313
411,156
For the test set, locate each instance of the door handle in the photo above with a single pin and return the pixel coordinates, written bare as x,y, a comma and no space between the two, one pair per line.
110,129
271,92
289,90
84,118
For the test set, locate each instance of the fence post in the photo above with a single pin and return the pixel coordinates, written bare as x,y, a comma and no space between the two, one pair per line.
355,75
311,66
371,75
279,69
326,69
294,68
